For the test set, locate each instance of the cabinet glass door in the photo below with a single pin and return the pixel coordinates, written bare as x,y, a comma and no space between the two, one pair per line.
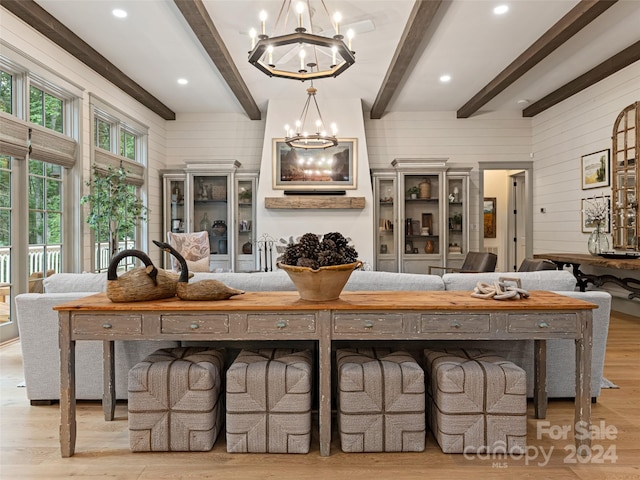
386,245
421,222
211,214
245,225
457,219
176,206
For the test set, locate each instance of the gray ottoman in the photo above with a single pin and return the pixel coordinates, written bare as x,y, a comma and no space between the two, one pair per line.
476,402
269,402
174,400
380,401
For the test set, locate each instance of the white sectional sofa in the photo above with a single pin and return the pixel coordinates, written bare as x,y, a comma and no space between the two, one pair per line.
38,326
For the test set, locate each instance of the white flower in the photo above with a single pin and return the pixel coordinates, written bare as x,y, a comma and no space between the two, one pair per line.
596,210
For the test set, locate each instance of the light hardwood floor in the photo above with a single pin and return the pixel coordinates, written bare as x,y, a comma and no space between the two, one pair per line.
29,447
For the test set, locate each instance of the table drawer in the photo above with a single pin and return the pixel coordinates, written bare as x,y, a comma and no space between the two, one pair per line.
98,325
528,323
195,324
367,323
284,323
460,323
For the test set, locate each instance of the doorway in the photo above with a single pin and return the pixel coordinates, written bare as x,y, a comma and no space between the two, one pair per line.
510,185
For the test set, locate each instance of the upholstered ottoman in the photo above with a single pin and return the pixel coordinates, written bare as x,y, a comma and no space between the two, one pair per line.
269,402
476,401
380,401
175,401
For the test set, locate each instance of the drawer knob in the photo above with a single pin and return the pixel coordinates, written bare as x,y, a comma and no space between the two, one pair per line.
107,326
368,324
455,324
194,326
281,324
543,325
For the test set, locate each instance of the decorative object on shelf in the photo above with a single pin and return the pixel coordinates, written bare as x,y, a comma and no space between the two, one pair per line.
408,227
219,228
595,170
113,206
429,246
275,55
315,170
427,222
413,192
301,138
455,248
176,225
222,246
456,195
455,222
247,248
244,195
424,231
141,283
205,223
201,290
319,267
489,211
425,188
408,246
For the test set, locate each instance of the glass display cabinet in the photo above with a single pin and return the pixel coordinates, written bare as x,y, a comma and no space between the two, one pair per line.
206,197
625,184
457,206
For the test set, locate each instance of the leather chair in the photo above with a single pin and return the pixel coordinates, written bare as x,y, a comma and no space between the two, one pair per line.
536,264
474,262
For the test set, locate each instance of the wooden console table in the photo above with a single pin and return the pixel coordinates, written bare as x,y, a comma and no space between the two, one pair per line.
576,259
356,316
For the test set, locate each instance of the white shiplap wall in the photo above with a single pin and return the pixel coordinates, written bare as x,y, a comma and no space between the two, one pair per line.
578,126
34,45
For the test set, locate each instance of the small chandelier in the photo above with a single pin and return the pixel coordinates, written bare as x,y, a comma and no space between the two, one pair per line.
330,56
299,138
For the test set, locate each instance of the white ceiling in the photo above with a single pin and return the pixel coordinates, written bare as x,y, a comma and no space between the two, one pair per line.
155,46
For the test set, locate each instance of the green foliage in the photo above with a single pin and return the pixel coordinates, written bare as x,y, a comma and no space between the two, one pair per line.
114,206
6,92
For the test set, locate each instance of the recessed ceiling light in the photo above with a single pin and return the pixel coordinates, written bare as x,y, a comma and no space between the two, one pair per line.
523,101
118,12
445,78
183,81
501,9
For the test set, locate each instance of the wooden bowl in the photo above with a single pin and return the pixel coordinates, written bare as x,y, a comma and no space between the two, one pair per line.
325,283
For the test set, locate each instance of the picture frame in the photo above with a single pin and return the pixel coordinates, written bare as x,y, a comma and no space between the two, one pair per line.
489,214
333,168
596,169
588,227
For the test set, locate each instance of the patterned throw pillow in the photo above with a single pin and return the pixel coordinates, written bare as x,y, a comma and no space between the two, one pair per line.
194,247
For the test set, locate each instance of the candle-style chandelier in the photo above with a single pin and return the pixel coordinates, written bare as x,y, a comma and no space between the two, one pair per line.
318,56
300,138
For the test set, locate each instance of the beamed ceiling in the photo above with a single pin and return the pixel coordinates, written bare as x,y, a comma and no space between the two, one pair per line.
536,55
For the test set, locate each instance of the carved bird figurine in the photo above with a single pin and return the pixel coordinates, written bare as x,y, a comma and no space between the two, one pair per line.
204,289
141,283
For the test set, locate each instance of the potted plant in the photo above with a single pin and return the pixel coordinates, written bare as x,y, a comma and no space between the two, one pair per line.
413,192
113,205
244,195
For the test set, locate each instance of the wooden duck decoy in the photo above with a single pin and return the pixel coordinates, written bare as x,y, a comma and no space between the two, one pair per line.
139,284
208,289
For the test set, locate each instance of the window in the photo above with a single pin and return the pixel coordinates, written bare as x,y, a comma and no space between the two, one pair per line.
6,92
118,141
45,218
45,109
5,239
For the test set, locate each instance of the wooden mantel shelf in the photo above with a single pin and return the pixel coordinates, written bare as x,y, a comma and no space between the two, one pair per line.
314,201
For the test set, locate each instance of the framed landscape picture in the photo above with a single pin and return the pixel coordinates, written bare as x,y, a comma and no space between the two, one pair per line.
595,170
489,211
315,169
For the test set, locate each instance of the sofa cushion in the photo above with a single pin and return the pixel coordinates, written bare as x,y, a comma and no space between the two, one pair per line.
558,280
75,282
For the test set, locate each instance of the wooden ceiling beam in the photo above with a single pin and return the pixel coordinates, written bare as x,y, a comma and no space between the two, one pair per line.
38,18
580,16
610,66
196,15
420,18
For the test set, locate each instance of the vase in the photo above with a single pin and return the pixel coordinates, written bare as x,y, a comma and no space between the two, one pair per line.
429,247
598,241
425,188
205,223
